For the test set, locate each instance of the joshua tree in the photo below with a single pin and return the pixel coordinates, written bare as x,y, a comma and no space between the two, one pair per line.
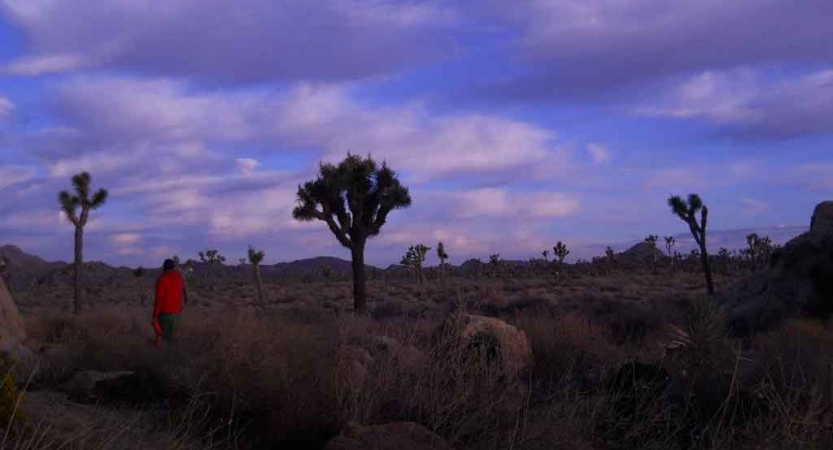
652,241
326,272
354,198
70,205
255,258
725,258
686,211
611,257
414,258
212,257
759,251
560,251
670,242
139,274
546,254
443,257
495,263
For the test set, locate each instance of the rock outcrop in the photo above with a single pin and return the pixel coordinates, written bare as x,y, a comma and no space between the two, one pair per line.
799,281
497,340
392,436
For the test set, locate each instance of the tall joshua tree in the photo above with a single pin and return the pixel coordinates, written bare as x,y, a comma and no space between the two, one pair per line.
255,258
354,199
686,211
443,257
77,209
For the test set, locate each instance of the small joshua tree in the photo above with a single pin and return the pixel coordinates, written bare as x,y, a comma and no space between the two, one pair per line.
652,241
546,254
354,198
212,257
415,258
443,257
725,258
759,250
255,258
70,205
495,263
611,258
139,274
670,242
326,272
560,252
686,211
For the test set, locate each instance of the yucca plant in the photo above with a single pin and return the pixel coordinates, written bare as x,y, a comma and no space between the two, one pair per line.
255,258
354,199
686,211
77,209
443,257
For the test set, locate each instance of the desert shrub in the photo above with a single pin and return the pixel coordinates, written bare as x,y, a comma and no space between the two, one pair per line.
569,350
627,322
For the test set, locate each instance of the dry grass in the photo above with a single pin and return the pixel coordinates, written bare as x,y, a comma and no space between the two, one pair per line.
292,376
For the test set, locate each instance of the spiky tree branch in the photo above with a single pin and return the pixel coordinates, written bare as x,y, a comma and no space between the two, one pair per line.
354,199
687,211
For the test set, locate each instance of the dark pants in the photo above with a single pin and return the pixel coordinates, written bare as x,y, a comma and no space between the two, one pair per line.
169,323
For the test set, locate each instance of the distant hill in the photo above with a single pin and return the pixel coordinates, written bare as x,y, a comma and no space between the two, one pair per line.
641,252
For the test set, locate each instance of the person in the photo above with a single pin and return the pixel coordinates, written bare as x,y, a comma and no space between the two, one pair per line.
167,307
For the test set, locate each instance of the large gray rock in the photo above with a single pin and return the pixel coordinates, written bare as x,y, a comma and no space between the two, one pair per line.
392,436
799,281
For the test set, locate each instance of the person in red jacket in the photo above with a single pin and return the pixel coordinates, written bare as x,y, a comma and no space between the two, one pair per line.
168,304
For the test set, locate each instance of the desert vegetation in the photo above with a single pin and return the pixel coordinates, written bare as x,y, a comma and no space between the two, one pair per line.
615,353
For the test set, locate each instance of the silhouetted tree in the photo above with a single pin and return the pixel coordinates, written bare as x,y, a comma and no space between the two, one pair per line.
415,258
652,241
686,211
560,252
70,205
212,257
354,199
326,272
139,274
611,258
546,254
255,258
495,263
443,257
670,242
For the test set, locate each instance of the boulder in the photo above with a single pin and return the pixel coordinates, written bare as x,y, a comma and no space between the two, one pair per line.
11,324
392,436
12,336
798,281
496,339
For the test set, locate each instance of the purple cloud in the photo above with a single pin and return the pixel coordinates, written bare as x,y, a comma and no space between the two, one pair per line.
218,41
586,49
743,104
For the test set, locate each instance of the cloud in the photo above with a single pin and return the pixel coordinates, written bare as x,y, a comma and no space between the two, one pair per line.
674,180
259,41
745,104
599,153
754,207
10,175
587,49
518,205
125,239
6,108
167,120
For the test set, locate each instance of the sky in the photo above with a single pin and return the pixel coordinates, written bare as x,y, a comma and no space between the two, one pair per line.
514,124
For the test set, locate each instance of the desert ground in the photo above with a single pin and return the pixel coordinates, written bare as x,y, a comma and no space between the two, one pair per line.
617,358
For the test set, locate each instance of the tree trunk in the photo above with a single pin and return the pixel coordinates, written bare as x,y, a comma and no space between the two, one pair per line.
704,257
359,301
79,261
259,282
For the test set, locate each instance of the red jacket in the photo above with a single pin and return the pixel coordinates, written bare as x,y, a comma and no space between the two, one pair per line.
169,288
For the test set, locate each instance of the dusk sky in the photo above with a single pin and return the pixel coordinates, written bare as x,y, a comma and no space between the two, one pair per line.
514,123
